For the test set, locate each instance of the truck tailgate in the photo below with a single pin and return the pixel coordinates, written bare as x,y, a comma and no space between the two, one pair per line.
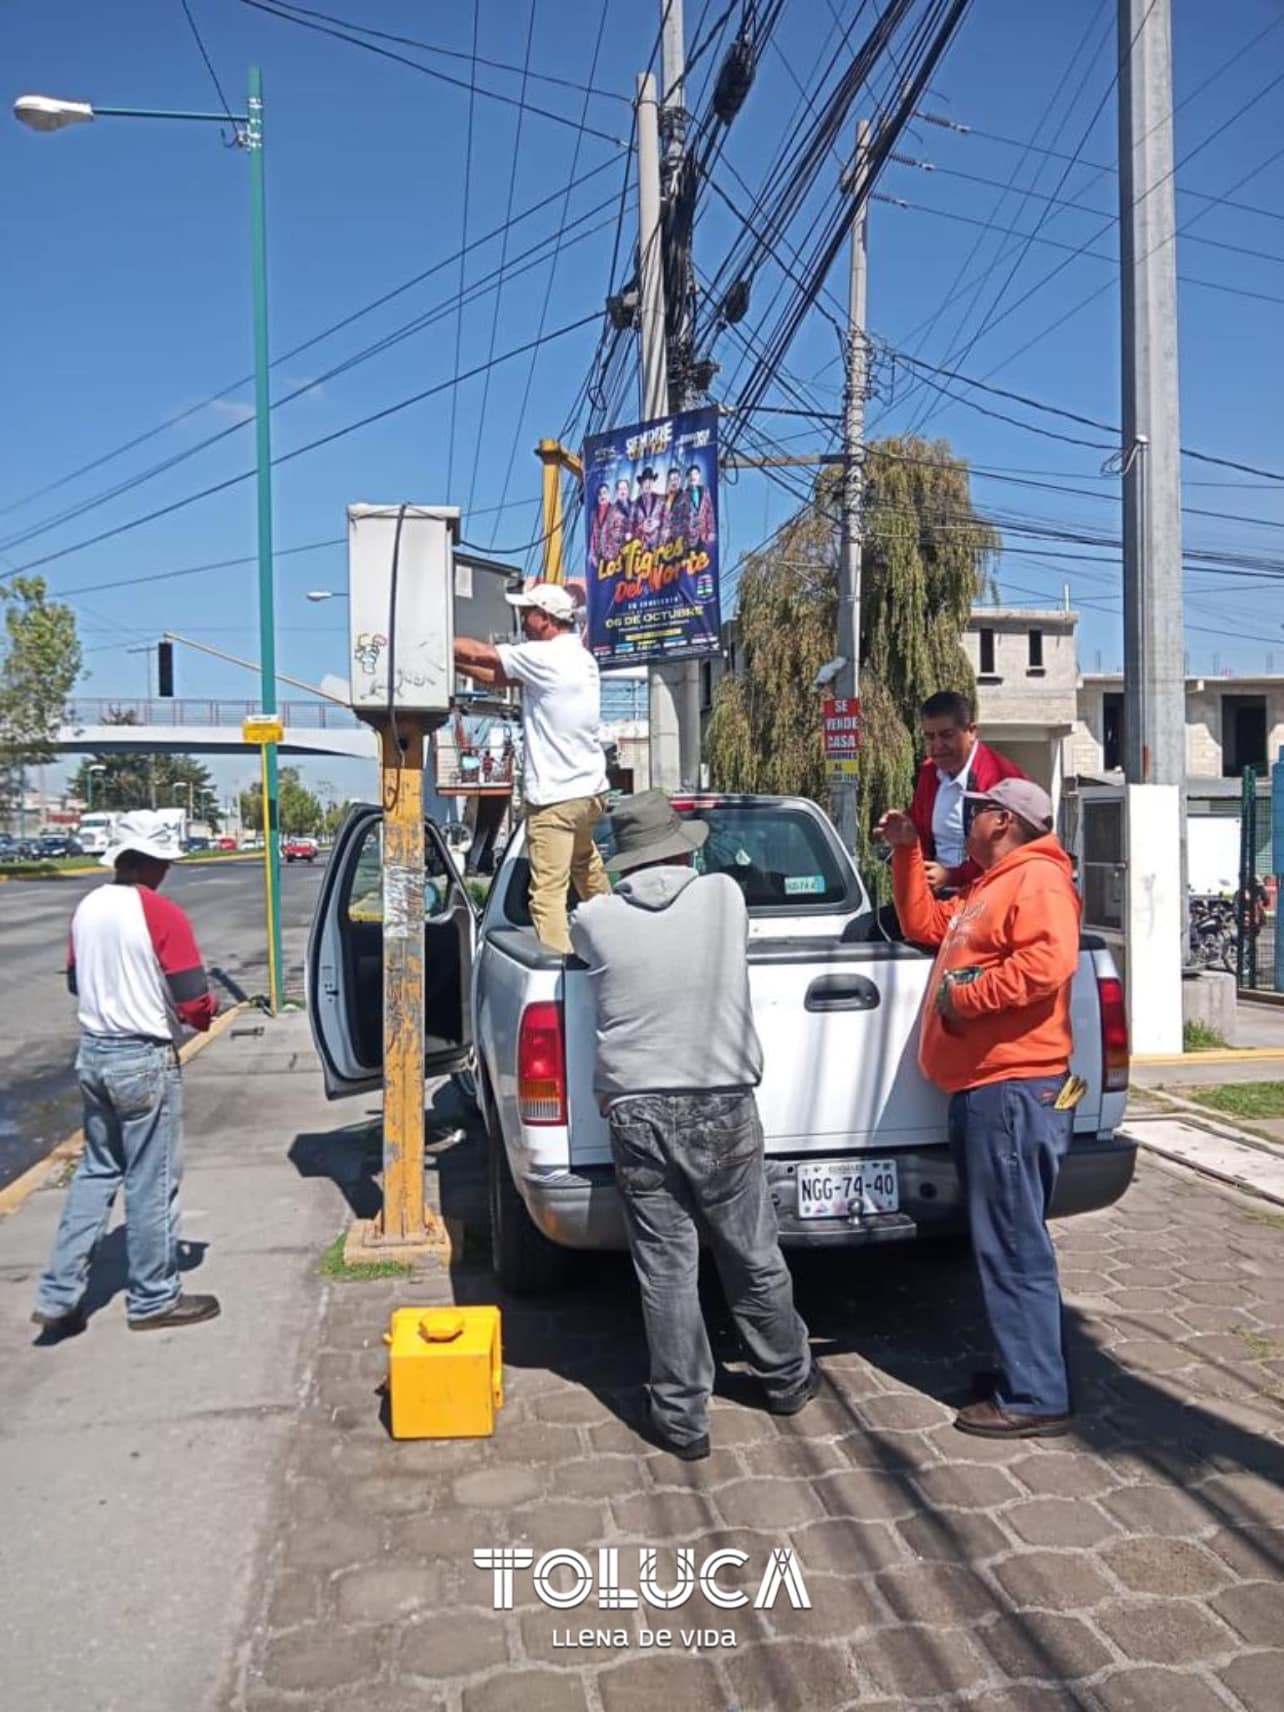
839,1028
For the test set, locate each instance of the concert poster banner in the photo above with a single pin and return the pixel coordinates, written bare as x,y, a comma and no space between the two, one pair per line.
651,551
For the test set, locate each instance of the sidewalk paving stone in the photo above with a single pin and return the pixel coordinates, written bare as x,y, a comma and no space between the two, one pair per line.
1136,1565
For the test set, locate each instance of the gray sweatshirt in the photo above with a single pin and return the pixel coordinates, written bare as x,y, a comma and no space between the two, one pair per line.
667,965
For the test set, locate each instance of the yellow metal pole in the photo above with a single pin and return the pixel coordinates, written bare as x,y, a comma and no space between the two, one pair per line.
403,982
274,987
549,453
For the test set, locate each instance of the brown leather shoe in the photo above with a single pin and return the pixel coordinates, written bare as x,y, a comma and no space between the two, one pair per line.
988,1421
186,1311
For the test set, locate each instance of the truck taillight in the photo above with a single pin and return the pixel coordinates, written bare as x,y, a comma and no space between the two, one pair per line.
1114,1033
541,1065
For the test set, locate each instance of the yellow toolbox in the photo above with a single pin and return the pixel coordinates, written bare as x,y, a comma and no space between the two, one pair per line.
445,1372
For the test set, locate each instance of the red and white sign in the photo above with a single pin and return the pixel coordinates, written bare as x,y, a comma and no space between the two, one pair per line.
841,723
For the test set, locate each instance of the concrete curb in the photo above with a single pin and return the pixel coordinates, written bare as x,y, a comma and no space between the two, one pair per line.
1221,1055
16,1194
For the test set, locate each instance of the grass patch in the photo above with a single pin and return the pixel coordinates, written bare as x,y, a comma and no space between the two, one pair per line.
1198,1037
1243,1099
334,1266
1259,1346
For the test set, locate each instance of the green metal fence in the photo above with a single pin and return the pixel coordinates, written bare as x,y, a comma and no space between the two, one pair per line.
1256,913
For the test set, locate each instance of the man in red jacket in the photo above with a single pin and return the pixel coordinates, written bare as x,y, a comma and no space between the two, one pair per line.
957,764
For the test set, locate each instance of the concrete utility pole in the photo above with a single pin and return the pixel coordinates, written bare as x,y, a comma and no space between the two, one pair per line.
1154,680
685,677
665,681
1154,686
845,792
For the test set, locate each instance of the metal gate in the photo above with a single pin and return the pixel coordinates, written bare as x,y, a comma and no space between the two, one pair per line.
1255,902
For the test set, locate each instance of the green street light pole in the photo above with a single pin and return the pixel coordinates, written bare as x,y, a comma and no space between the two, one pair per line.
263,441
47,113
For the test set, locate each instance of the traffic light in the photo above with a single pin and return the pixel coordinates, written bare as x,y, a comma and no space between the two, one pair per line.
165,668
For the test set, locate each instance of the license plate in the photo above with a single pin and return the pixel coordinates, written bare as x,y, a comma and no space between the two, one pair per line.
844,1189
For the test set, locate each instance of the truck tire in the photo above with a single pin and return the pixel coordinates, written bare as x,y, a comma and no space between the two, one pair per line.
524,1260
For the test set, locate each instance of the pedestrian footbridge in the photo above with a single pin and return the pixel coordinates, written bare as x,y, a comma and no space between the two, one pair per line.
199,727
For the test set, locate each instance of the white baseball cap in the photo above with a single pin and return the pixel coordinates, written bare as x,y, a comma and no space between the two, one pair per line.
553,598
147,833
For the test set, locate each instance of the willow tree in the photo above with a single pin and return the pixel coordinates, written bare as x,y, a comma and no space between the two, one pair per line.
927,556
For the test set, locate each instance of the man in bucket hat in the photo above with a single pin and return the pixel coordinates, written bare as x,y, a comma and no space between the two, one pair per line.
564,768
137,975
996,1037
678,1059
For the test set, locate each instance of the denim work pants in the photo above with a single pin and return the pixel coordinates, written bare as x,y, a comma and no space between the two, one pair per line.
688,1163
1008,1144
133,1101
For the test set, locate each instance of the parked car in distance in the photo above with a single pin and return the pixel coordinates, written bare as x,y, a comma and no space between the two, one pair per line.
196,845
226,843
8,847
54,846
300,849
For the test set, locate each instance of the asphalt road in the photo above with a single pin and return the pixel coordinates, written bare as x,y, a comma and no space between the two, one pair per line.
39,1104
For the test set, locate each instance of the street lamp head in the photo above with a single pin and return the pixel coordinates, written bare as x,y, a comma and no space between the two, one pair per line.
319,594
47,113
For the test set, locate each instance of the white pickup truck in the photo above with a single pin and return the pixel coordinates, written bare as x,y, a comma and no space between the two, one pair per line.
855,1135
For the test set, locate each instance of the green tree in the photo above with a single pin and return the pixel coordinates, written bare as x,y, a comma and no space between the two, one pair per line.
300,811
40,661
148,781
926,559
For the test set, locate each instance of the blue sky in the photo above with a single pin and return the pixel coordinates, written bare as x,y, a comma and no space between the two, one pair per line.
129,303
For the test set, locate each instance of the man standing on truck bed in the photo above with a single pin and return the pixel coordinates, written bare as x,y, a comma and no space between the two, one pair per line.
678,1059
996,1037
564,769
957,763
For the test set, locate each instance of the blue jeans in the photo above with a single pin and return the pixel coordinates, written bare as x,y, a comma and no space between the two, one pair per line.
692,1163
1008,1144
133,1101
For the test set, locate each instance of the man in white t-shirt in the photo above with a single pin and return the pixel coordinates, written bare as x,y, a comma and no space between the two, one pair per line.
564,769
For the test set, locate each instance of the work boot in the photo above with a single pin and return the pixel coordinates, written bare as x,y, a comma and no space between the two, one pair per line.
186,1311
60,1325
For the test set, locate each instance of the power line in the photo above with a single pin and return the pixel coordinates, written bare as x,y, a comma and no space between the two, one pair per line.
300,451
520,418
275,10
474,59
503,251
307,344
1109,226
209,63
975,292
463,255
1087,254
1101,167
479,289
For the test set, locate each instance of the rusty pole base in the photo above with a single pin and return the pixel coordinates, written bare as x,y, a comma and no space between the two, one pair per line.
366,1241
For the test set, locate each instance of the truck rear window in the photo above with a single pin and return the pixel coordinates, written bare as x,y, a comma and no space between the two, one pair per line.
781,858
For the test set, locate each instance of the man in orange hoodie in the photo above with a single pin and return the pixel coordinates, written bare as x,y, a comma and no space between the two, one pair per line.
996,1037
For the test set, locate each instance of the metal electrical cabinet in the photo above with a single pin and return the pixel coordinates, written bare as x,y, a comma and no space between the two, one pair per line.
401,585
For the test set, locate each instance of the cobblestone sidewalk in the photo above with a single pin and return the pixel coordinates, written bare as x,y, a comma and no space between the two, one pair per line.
1135,1565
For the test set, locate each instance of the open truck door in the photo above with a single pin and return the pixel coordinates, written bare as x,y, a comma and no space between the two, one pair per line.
345,958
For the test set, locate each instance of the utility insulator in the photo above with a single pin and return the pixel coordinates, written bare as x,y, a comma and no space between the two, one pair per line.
165,668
